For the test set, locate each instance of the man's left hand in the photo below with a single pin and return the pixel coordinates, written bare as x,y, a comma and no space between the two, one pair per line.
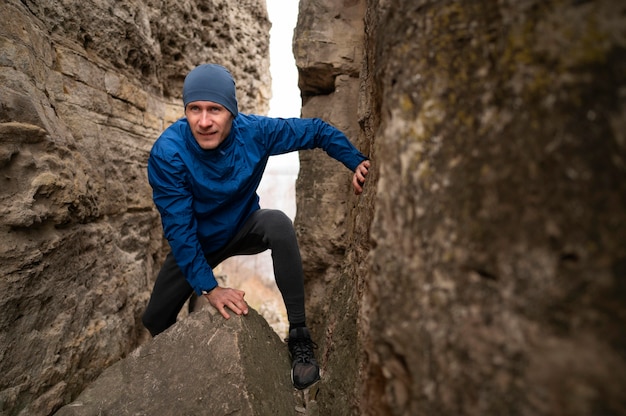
358,180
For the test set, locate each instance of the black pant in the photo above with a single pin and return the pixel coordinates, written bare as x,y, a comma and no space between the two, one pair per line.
265,229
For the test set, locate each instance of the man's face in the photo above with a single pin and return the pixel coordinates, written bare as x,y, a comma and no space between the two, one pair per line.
210,123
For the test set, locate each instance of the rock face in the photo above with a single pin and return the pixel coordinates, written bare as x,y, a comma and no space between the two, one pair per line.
86,87
483,270
204,365
329,55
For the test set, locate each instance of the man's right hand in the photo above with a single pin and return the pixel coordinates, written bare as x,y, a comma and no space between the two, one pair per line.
222,297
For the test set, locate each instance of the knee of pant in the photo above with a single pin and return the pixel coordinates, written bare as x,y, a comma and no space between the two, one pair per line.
278,225
151,324
278,219
146,321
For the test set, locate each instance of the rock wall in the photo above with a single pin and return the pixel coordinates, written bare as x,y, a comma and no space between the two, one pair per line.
86,87
483,270
329,55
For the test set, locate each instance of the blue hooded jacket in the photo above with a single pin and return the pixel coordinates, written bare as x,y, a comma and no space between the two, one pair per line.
205,196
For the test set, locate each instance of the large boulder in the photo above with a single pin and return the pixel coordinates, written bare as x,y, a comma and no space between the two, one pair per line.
203,365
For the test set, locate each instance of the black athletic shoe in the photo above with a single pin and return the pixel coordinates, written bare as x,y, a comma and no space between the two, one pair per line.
304,368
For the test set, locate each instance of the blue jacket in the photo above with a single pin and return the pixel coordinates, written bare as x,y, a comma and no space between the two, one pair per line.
205,196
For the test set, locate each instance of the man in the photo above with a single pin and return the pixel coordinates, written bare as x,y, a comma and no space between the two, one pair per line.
204,171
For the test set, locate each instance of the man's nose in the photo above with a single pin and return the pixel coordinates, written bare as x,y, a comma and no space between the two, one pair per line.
205,119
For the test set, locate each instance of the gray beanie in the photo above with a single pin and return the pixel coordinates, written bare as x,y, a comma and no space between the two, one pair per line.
211,82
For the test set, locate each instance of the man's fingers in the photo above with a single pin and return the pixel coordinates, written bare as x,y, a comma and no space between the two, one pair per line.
224,313
242,308
239,307
360,174
240,303
222,298
358,184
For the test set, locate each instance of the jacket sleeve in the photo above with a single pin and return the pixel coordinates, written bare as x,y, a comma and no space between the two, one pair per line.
173,199
292,134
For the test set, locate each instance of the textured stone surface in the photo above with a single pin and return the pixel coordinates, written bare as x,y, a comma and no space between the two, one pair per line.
85,89
327,48
487,258
500,214
328,55
203,365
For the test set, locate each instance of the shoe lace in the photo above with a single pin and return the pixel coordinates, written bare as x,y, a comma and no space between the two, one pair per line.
302,349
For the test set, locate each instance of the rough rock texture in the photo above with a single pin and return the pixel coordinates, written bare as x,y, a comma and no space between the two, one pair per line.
85,89
484,268
203,365
328,53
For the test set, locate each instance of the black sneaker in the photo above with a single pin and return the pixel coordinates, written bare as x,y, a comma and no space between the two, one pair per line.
304,368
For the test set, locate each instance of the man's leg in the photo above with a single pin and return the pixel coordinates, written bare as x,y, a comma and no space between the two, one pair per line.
265,229
281,237
274,230
171,291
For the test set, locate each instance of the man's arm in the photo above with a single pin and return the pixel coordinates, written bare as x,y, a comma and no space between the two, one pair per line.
174,203
287,135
